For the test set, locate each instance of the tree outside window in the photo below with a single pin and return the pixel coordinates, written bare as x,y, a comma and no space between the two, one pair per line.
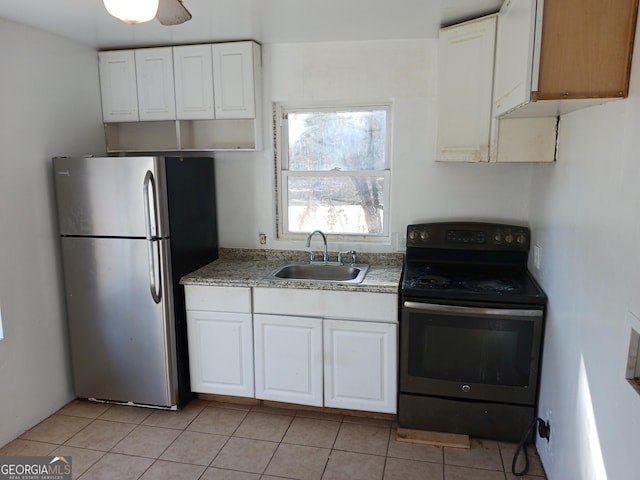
334,170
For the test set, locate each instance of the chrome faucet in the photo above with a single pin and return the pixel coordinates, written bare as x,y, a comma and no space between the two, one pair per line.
325,253
352,253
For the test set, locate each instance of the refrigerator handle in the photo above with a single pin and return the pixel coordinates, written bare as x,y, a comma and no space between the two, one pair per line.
155,282
150,211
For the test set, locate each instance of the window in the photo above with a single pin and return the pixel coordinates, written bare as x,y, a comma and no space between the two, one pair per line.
334,171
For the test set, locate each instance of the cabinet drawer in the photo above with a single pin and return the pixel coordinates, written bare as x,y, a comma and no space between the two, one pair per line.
368,306
218,299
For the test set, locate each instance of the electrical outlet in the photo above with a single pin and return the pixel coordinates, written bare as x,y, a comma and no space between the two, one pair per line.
544,429
536,256
262,238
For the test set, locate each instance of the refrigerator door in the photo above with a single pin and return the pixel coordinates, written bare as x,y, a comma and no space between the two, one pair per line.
122,341
111,196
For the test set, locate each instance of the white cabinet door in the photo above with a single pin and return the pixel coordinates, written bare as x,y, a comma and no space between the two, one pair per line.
221,352
360,370
193,82
514,55
234,65
118,86
156,93
465,85
288,359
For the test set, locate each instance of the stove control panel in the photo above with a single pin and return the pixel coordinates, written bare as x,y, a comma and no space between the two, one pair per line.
469,236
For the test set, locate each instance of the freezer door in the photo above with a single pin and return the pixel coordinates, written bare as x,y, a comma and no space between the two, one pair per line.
111,196
122,341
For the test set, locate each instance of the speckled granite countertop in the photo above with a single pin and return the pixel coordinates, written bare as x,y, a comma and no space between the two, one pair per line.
249,268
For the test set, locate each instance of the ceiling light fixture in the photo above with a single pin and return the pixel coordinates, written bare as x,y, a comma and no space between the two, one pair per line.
132,11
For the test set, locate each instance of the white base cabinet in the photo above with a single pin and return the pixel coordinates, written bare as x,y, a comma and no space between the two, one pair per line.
220,335
360,365
326,348
288,354
309,347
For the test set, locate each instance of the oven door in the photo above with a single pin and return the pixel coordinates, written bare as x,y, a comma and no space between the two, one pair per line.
470,352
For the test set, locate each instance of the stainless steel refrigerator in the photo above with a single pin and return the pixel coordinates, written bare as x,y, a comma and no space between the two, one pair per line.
130,228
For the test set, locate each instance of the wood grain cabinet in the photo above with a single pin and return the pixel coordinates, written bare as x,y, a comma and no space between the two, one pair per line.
551,57
467,128
556,56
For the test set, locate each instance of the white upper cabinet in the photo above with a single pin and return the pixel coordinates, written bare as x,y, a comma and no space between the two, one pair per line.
465,86
118,86
514,55
182,98
467,128
235,81
556,57
156,94
193,72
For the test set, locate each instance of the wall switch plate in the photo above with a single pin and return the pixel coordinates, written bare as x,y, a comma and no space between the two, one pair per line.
536,256
398,241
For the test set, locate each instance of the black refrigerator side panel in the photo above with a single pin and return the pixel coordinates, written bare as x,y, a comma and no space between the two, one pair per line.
194,240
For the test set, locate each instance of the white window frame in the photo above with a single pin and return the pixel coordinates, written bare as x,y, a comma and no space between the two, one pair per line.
283,173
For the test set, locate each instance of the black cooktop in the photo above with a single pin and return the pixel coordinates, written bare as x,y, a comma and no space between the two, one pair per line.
471,283
469,261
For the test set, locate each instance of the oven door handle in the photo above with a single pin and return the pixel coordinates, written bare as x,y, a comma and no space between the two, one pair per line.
455,309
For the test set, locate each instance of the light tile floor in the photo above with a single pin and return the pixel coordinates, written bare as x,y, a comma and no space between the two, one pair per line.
219,441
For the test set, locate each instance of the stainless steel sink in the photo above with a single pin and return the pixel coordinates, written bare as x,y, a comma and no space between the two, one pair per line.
321,272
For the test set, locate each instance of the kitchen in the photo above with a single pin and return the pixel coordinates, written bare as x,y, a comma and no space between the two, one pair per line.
580,211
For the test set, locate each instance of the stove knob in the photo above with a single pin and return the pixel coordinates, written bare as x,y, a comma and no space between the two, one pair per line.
424,235
497,237
508,238
413,235
520,238
466,388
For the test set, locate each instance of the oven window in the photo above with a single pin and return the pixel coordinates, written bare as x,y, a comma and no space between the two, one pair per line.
470,349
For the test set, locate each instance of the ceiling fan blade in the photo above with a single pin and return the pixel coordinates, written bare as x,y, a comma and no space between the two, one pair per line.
172,12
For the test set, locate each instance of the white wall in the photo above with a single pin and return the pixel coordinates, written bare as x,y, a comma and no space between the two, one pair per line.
586,218
404,72
49,99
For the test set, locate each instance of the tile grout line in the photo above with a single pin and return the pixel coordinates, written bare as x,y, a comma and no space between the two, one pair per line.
210,465
503,450
276,450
